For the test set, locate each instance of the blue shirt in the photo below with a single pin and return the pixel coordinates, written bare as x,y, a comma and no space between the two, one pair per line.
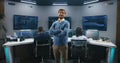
43,38
60,37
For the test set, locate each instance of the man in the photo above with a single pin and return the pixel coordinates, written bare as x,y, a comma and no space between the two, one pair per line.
59,30
42,38
41,35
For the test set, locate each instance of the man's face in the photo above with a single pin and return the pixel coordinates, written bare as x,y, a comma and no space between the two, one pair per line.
61,14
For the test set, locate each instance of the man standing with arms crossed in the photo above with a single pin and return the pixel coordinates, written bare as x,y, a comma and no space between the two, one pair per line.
59,30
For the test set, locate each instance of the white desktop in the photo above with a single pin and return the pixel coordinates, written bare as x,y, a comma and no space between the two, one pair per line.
8,46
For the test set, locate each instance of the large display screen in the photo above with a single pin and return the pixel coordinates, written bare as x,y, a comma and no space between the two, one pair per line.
25,22
95,22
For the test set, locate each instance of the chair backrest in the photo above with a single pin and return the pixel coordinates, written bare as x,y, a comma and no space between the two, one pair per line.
43,43
43,38
40,42
78,49
78,43
42,49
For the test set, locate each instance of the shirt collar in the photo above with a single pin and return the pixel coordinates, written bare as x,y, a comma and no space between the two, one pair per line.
60,20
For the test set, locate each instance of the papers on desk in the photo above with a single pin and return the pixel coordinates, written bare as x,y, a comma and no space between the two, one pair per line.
11,38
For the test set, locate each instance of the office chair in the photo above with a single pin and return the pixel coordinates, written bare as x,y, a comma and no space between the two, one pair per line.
78,50
42,50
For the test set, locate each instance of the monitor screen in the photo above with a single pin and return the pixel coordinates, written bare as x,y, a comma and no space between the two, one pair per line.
24,34
94,34
95,22
27,34
18,34
25,22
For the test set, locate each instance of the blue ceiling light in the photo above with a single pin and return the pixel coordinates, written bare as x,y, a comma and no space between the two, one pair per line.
61,4
91,1
29,1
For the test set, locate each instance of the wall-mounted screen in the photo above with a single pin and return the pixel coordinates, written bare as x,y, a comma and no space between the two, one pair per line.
95,22
52,19
25,22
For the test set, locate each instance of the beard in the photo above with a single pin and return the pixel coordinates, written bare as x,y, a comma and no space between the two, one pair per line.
61,17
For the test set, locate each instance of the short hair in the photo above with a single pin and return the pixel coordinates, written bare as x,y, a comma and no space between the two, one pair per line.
40,29
61,10
78,31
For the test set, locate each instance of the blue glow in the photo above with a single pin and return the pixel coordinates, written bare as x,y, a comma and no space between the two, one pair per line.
60,59
7,54
112,51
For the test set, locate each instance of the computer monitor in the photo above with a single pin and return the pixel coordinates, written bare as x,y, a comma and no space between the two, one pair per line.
24,34
25,22
94,34
98,22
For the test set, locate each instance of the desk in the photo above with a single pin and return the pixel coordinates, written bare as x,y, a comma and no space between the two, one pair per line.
9,56
8,48
110,45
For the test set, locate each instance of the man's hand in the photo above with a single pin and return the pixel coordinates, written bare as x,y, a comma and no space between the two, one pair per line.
61,30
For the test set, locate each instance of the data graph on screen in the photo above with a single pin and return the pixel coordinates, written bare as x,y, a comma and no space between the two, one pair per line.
95,22
24,22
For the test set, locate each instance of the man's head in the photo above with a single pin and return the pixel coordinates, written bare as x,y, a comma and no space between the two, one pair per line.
40,29
61,13
78,31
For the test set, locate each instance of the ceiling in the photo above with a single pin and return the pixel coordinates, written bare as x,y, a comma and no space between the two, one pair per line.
50,2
